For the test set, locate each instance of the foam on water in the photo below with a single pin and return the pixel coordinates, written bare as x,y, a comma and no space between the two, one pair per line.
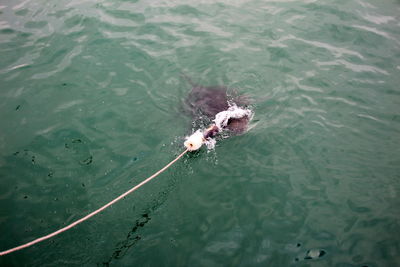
221,121
233,112
210,143
222,118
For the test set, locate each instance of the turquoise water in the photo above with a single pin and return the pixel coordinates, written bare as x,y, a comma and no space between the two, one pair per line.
91,104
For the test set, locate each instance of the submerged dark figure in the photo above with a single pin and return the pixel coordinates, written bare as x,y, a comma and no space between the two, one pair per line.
205,102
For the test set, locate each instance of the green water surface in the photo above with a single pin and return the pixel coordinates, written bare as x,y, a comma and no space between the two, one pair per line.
91,104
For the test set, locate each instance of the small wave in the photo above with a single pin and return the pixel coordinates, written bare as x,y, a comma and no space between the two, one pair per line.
65,62
373,30
68,105
353,67
378,19
335,50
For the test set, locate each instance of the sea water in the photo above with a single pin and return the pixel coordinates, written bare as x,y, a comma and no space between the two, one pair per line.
91,103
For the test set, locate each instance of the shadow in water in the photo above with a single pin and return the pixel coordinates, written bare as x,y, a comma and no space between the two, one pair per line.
133,236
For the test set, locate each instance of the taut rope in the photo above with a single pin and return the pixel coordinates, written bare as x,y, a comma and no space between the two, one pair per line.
94,212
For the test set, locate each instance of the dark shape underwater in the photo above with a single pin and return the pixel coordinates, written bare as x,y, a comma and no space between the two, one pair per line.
203,103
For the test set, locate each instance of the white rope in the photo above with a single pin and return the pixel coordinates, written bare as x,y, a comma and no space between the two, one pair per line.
2,253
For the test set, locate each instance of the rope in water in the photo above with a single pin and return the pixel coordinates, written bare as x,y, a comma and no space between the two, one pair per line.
94,212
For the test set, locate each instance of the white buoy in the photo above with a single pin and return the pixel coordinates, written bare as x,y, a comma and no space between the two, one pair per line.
195,141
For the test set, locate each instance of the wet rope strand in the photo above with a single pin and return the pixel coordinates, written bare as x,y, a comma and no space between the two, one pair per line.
94,212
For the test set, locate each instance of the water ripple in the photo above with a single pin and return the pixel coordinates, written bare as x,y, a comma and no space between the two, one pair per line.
336,51
353,67
92,102
374,30
65,62
377,19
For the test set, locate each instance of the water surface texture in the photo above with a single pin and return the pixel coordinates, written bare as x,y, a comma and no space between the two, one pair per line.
91,104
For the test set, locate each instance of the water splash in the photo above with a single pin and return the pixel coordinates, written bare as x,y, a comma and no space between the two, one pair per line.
233,112
210,143
221,121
